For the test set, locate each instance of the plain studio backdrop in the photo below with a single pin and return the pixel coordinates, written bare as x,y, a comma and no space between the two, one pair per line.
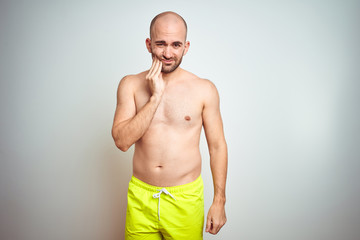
288,76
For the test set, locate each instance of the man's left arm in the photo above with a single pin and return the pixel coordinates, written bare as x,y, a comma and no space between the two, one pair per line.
214,132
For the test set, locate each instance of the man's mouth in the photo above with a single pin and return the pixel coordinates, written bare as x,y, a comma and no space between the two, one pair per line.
167,61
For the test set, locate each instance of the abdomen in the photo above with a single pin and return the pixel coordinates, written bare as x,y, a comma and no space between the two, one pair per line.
168,155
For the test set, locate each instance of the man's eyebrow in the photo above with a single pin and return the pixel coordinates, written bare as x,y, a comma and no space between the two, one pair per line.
164,42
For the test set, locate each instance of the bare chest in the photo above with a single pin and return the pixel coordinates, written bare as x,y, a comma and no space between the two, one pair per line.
180,106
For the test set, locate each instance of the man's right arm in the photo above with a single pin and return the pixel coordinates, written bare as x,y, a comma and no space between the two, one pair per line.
129,126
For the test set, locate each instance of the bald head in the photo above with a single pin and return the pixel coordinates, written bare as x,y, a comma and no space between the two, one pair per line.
167,18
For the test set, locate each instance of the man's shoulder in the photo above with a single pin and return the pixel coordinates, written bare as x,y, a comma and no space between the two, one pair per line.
196,79
132,79
203,83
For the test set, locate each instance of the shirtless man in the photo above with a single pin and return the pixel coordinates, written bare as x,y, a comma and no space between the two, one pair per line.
162,112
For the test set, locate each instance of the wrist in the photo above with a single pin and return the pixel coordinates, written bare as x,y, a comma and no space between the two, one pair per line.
156,97
221,200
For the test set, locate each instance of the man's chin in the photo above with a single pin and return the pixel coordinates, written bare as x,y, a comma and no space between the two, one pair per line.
168,69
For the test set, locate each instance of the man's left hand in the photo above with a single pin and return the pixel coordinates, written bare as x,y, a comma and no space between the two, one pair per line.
216,218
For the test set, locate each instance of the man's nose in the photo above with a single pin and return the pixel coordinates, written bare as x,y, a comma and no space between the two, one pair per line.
167,52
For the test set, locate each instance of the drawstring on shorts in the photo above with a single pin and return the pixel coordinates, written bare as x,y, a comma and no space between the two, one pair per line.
157,195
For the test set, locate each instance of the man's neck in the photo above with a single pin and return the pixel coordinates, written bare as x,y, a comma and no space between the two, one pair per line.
173,75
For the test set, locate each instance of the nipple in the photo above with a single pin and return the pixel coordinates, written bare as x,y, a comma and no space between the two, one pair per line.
187,118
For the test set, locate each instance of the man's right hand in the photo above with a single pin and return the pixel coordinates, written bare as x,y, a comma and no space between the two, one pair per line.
154,78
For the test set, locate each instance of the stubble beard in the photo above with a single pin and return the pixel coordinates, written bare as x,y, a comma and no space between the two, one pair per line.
169,69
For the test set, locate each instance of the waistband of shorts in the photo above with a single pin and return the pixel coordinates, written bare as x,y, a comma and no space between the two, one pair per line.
180,188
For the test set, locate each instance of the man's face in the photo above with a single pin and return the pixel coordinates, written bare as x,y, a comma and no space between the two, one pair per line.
168,45
170,54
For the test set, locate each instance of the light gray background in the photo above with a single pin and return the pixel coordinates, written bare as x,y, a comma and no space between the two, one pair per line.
288,76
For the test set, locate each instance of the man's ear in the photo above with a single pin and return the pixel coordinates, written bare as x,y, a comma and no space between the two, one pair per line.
187,45
148,44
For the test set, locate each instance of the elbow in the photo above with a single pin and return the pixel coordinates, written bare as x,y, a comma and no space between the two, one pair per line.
120,144
123,147
219,148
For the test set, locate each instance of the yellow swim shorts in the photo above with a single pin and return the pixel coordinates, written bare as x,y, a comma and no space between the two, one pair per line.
165,213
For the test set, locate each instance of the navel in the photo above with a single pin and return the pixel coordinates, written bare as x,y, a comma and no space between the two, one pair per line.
187,118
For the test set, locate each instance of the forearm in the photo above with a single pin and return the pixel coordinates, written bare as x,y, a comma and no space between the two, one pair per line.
218,164
128,132
216,217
